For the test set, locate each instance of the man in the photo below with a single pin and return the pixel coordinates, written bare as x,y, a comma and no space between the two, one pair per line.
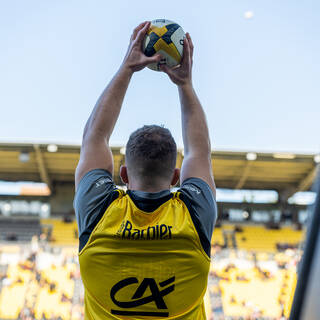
145,254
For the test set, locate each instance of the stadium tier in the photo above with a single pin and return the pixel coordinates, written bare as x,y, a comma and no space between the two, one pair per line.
257,238
19,229
46,289
262,239
248,289
61,232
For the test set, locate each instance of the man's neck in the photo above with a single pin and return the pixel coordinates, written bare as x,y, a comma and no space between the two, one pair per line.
144,188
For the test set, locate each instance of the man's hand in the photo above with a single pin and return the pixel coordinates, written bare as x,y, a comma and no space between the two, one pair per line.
182,75
135,59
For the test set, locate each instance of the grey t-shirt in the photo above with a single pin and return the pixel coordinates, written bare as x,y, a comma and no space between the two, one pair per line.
96,192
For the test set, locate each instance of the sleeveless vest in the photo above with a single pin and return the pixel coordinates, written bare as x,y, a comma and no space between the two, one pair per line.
140,265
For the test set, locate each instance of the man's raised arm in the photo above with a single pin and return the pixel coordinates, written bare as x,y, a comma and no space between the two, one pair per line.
197,147
95,150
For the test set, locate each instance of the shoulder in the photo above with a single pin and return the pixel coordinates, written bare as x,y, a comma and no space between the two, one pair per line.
196,189
201,204
93,186
98,177
95,192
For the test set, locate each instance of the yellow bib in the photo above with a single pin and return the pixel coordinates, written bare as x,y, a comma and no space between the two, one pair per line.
140,265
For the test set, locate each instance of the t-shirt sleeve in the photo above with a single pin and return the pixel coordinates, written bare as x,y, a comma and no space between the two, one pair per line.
201,203
93,190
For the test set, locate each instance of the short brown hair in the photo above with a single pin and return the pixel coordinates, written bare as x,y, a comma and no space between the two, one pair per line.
151,154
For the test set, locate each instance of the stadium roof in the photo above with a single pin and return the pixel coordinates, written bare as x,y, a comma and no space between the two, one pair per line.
276,171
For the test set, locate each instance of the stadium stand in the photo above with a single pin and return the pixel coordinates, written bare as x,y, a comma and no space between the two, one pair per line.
56,299
61,233
207,304
255,289
253,271
40,286
260,238
257,238
13,292
19,229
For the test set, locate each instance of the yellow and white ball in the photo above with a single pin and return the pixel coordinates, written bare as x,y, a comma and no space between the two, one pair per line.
164,37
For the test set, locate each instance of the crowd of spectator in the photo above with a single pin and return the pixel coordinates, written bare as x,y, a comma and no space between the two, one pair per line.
34,263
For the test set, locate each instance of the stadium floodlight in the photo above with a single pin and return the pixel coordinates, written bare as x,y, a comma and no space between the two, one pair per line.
7,206
123,150
45,207
317,158
6,209
245,214
24,156
251,156
52,148
44,210
248,14
284,155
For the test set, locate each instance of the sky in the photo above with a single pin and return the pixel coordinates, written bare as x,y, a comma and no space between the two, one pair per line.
258,79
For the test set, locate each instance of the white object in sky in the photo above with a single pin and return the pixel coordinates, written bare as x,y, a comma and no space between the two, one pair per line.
248,14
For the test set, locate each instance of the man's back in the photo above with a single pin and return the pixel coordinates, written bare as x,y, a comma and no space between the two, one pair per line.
147,254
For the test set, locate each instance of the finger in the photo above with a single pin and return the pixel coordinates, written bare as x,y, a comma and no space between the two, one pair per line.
136,30
153,59
191,44
142,32
166,69
185,61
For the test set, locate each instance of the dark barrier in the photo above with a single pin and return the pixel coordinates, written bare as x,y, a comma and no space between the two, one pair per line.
304,279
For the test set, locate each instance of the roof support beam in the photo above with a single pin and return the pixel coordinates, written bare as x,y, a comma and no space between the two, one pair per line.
244,176
306,182
44,175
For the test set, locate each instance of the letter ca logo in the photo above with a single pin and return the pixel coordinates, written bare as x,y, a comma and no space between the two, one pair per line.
138,299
